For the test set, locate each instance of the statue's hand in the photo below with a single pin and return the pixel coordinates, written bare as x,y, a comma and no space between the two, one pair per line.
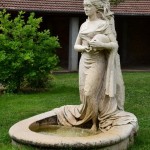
96,44
88,49
81,48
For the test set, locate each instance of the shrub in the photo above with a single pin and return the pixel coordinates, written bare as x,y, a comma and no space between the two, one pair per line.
26,54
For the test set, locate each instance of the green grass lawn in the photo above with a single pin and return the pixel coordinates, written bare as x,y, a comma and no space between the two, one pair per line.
14,108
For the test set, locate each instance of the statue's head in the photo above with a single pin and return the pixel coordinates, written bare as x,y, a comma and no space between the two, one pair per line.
102,6
99,4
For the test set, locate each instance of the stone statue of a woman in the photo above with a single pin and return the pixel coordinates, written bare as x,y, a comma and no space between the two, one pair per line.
100,79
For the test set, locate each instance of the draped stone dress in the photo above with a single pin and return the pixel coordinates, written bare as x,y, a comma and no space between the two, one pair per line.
101,87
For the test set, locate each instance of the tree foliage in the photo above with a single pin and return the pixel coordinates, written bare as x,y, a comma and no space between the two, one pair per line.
115,1
27,55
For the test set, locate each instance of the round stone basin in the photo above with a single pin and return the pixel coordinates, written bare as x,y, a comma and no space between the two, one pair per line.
43,132
57,130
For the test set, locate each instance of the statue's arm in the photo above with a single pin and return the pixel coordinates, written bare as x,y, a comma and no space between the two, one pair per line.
113,44
109,44
78,45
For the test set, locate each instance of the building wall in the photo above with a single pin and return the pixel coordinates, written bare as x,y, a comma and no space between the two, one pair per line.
59,26
133,36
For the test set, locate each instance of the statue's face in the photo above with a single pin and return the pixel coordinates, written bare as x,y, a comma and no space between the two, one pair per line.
89,8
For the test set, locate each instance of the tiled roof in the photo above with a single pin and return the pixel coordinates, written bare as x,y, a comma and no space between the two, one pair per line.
133,7
74,6
43,5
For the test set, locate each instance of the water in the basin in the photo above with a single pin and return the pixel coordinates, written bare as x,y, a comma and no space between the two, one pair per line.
57,130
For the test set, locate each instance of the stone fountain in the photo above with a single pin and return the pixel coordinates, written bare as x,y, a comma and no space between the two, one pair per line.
30,133
100,121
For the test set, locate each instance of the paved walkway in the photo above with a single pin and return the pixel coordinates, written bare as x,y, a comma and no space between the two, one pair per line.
133,69
136,69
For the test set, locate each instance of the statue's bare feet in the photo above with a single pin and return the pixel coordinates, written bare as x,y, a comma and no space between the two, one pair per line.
94,128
